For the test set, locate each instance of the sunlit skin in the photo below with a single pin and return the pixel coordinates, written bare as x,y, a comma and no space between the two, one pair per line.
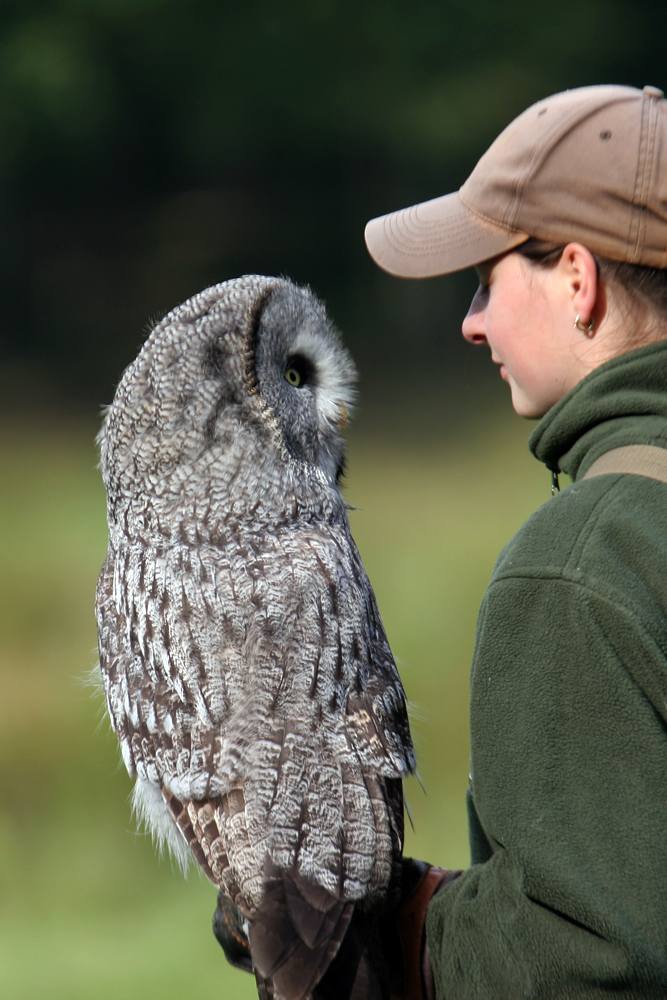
525,314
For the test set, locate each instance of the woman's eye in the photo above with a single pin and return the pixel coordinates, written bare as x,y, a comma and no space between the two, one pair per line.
294,376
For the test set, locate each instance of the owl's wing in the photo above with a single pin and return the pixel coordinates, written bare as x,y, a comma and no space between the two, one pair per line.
377,714
199,651
348,692
264,701
164,648
376,711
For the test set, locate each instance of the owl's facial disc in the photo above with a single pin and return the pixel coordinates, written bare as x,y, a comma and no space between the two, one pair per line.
300,371
306,376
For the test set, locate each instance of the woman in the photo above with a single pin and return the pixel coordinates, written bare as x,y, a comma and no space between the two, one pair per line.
565,219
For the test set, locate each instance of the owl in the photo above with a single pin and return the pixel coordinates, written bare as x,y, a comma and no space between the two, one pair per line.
247,673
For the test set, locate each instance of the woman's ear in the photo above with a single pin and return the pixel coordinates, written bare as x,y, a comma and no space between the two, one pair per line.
579,273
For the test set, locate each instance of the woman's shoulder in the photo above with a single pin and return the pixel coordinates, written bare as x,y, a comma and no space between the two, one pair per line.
608,533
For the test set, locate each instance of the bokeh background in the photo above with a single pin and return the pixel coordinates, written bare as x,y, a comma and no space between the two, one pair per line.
149,148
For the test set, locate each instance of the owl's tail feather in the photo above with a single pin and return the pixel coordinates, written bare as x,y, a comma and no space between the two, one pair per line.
265,989
358,972
295,934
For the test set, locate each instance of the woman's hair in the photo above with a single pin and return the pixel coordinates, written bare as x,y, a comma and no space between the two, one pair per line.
641,291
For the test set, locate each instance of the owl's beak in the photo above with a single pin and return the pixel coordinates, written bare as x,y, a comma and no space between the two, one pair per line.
343,416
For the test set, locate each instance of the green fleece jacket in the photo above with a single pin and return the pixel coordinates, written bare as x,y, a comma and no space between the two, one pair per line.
567,893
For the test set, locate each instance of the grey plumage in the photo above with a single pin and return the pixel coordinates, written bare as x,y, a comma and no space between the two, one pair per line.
247,673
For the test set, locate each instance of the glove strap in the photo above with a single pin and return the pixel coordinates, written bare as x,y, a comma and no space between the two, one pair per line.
412,927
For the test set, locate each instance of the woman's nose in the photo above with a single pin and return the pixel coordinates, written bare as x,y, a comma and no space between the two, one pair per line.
472,327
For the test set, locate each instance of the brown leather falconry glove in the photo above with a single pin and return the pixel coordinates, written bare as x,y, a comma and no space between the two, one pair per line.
404,931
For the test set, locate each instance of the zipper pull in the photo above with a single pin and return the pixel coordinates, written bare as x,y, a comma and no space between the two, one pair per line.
555,485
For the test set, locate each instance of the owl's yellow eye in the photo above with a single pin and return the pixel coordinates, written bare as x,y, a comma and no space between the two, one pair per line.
300,371
294,376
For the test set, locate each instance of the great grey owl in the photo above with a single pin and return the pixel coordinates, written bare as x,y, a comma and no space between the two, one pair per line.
247,673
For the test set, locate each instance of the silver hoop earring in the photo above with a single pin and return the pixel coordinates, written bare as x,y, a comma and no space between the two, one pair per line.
586,330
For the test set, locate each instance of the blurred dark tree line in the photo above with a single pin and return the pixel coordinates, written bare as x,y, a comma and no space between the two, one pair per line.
151,147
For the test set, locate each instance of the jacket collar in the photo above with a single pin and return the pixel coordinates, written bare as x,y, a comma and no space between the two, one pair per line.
622,402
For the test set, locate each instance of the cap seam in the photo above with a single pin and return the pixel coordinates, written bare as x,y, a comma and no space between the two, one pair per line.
419,247
648,169
487,218
633,227
519,185
649,122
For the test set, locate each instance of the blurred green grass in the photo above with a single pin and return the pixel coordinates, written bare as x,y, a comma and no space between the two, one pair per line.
86,909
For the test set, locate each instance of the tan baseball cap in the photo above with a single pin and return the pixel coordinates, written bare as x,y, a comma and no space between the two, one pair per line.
588,165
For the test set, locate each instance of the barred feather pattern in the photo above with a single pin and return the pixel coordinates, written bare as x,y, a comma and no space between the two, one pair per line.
247,672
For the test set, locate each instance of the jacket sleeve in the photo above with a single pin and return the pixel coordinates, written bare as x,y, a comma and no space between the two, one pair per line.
568,898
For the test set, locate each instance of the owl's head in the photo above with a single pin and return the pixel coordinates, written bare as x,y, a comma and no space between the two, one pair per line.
305,375
250,370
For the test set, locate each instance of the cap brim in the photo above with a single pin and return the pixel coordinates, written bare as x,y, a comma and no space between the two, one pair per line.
436,237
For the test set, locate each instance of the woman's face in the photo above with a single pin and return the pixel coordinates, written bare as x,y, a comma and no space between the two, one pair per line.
525,314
